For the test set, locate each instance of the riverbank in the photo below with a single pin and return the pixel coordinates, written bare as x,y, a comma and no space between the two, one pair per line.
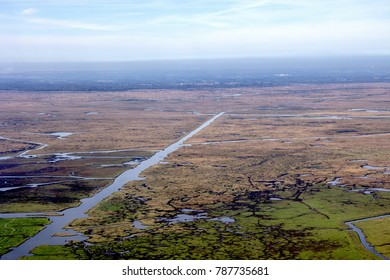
377,231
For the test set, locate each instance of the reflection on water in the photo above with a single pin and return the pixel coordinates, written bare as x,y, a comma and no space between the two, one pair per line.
4,158
139,225
61,135
190,215
63,156
369,167
371,190
182,218
225,220
335,182
132,162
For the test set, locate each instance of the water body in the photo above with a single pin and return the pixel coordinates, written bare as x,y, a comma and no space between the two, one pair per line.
31,186
225,220
362,237
63,156
370,190
189,215
364,110
23,154
139,225
4,158
359,160
45,237
184,218
132,162
369,167
71,179
61,135
335,182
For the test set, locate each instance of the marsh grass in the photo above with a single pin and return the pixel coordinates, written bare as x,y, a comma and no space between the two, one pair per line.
377,233
292,141
15,231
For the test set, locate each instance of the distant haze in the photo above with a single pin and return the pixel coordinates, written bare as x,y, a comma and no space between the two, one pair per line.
191,74
127,30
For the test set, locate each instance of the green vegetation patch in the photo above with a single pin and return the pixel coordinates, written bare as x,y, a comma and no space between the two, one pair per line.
377,233
311,227
47,252
13,232
55,197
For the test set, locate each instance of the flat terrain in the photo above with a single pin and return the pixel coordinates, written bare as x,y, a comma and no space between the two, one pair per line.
378,234
14,231
106,134
276,177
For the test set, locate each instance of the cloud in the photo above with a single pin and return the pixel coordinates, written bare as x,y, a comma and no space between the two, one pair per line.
338,38
242,6
73,24
29,12
222,18
194,29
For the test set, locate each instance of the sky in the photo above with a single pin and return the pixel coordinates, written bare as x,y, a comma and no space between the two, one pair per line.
126,30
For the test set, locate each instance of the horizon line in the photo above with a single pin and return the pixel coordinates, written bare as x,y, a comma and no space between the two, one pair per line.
205,59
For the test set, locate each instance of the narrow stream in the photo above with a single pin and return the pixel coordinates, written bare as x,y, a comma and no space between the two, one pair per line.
45,237
362,238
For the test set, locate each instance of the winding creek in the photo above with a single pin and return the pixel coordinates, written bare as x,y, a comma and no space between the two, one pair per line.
362,237
50,234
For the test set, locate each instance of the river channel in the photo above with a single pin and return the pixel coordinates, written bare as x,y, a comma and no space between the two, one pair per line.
58,222
362,238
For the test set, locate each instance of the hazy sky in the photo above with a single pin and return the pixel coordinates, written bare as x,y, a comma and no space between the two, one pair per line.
117,30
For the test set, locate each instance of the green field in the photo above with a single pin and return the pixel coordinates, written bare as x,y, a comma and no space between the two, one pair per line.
377,233
288,229
15,231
